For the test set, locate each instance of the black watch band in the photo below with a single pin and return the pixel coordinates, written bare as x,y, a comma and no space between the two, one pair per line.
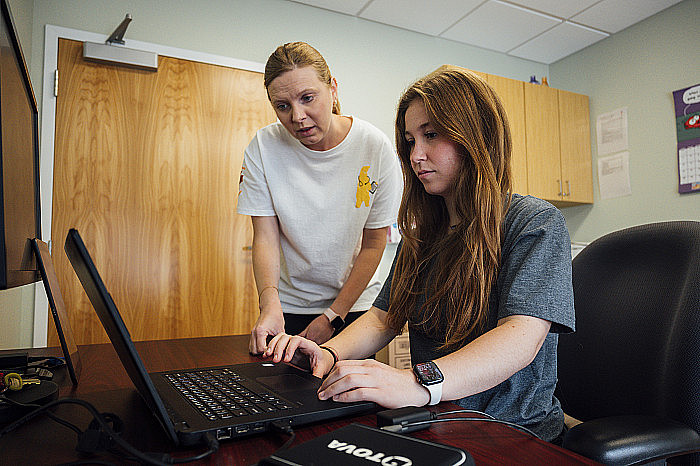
336,321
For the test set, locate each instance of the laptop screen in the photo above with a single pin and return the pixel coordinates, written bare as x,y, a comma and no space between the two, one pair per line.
114,326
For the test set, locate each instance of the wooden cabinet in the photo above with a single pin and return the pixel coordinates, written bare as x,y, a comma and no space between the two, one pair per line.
551,140
558,145
511,93
542,136
575,144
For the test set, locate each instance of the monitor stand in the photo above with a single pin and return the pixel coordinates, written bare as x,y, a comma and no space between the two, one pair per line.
58,309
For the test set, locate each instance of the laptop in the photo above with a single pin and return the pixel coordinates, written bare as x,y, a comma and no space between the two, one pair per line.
58,309
227,401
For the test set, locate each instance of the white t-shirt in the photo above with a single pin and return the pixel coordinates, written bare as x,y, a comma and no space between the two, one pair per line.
323,200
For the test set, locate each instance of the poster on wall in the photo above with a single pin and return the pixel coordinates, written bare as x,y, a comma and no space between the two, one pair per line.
687,104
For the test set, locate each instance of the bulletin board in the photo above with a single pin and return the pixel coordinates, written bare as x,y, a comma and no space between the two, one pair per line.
687,104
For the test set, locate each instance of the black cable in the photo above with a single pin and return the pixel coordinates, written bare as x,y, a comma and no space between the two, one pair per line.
459,411
487,415
289,441
285,428
48,362
51,415
146,458
400,428
88,461
213,445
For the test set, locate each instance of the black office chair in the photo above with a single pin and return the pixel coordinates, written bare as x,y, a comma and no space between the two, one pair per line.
631,371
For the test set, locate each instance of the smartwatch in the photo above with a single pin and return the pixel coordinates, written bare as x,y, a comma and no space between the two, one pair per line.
429,375
336,321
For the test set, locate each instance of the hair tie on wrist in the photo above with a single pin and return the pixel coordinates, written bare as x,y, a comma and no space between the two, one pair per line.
333,353
266,287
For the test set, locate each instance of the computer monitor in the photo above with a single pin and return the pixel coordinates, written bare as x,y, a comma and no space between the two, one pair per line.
20,213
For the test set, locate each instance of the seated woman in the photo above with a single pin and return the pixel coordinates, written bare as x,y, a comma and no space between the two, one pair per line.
482,276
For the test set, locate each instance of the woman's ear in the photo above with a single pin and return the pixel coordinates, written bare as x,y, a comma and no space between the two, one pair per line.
334,89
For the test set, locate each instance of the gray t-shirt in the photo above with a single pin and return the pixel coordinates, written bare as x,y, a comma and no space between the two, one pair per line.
534,280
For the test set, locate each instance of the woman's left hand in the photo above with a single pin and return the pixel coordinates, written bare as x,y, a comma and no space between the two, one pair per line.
370,380
319,330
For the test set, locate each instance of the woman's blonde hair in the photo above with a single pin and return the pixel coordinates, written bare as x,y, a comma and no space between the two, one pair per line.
294,55
455,270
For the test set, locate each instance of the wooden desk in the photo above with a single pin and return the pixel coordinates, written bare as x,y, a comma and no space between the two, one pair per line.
105,384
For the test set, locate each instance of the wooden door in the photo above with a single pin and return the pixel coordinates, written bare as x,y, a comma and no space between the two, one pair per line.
147,167
512,95
542,140
574,124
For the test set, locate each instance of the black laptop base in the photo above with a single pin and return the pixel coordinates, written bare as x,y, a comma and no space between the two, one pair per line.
280,394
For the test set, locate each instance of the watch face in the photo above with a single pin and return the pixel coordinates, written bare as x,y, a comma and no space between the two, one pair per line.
337,323
428,373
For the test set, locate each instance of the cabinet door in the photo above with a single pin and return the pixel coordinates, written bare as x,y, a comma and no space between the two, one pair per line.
512,95
574,124
542,142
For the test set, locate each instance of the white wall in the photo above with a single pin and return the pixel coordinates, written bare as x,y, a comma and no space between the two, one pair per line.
638,68
22,12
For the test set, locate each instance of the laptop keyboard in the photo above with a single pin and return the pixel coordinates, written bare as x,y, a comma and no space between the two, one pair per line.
223,394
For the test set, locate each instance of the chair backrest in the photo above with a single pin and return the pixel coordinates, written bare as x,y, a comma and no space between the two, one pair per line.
636,349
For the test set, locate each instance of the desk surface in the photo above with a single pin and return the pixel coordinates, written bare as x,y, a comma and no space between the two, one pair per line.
105,384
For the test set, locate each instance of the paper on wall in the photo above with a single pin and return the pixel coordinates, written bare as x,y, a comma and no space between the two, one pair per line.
614,176
611,130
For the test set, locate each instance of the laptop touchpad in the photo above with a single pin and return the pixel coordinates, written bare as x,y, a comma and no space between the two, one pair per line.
285,383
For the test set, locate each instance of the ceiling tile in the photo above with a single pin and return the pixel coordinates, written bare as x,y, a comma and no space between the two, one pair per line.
558,43
349,7
560,8
532,29
615,15
499,26
418,15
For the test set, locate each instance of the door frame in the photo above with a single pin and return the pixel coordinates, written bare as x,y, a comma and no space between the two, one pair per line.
47,131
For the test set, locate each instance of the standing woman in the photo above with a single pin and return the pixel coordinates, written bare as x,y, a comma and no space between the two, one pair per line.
321,188
483,276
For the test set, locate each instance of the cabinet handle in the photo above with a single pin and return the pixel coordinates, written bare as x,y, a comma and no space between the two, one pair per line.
568,188
561,189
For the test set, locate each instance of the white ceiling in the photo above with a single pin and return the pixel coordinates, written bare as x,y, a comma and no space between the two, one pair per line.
540,30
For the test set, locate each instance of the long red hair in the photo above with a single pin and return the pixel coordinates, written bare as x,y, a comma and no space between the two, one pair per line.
456,269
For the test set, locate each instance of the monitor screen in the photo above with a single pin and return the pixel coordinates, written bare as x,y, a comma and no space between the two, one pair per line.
20,215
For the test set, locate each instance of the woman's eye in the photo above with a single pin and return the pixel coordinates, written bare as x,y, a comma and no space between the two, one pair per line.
431,135
307,98
410,143
282,107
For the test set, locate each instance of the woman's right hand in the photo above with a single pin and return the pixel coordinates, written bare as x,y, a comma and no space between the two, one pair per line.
283,348
269,324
